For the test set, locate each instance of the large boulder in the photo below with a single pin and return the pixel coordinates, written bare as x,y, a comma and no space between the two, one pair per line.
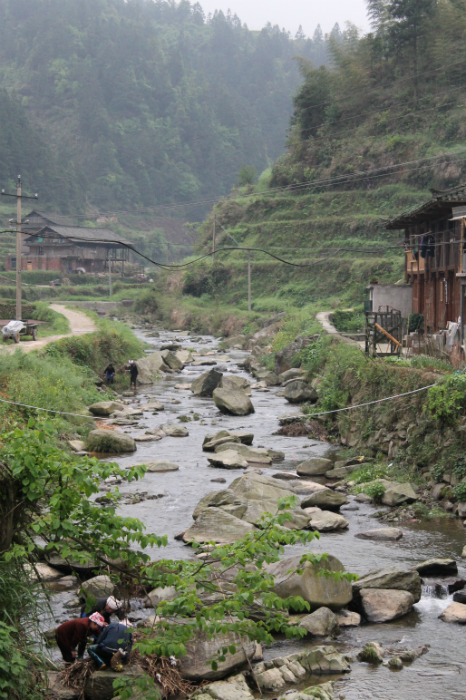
383,534
393,578
215,525
233,688
298,391
196,665
383,605
99,685
172,360
98,587
220,438
321,623
325,520
105,408
293,373
251,454
455,612
235,403
157,595
446,567
158,465
323,661
109,442
150,367
172,430
233,383
262,494
348,618
206,383
228,459
288,357
225,499
396,494
317,466
325,499
311,585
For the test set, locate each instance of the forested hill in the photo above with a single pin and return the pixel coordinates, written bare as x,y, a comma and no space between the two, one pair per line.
141,102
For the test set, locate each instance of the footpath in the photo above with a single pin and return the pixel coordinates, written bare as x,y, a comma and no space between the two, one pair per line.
79,322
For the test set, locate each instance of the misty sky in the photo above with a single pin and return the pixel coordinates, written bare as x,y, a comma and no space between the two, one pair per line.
291,13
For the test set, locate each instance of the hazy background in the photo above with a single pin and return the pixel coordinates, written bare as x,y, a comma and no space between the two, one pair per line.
292,13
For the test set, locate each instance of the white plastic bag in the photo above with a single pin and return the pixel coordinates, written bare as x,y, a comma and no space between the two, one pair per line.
12,328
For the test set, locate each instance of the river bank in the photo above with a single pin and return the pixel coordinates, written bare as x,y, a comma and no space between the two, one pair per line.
436,674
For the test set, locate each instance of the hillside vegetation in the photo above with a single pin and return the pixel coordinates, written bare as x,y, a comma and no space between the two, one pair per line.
370,134
141,102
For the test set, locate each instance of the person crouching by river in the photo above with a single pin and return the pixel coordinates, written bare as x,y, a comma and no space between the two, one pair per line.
71,636
116,637
132,368
109,373
106,607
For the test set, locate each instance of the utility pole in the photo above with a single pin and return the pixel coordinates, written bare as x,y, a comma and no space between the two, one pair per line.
19,197
249,266
213,239
109,274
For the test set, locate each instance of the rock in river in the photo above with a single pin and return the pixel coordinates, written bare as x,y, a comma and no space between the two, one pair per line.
150,367
105,408
228,459
99,587
233,688
232,402
325,499
316,466
99,685
206,383
233,383
298,391
200,651
251,454
262,493
317,590
172,360
175,430
387,534
456,612
393,578
325,520
214,524
109,442
321,623
383,605
396,494
437,566
157,465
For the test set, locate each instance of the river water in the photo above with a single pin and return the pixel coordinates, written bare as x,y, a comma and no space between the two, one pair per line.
440,673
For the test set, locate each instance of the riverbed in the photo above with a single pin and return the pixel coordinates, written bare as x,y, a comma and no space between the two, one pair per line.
440,673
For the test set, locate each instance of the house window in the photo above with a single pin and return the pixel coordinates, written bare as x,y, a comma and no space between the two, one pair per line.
40,250
13,263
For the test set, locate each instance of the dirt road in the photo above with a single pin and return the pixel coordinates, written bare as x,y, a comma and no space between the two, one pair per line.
79,322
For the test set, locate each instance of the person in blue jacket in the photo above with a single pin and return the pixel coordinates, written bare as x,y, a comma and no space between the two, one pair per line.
116,636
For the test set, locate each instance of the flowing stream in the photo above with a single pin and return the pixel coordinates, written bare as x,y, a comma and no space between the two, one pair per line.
438,674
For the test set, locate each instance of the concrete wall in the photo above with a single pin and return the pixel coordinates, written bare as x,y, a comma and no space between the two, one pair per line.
397,296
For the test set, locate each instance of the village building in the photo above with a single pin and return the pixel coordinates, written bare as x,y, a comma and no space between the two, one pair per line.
435,259
51,242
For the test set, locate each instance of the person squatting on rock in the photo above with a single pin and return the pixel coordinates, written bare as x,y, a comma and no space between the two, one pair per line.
106,607
74,633
116,637
132,368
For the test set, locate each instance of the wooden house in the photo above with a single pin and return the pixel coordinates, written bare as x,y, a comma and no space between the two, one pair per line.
435,265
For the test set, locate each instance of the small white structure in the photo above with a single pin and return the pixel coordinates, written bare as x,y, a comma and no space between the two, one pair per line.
398,297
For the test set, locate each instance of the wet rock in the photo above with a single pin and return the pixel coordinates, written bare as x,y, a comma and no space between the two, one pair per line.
98,587
184,356
232,402
150,367
172,360
206,383
211,442
284,476
396,494
317,590
325,499
251,454
383,534
109,442
152,406
66,583
77,445
392,577
228,459
347,618
341,472
316,466
298,391
292,373
371,653
225,499
363,498
99,685
262,493
437,566
158,465
244,437
321,623
234,688
219,481
306,488
324,661
383,605
175,430
460,596
201,650
456,612
412,654
105,408
215,525
276,455
233,383
325,520
147,438
395,663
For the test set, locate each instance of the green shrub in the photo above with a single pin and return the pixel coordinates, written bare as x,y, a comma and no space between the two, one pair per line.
437,472
447,401
205,278
459,491
459,470
348,321
146,302
375,490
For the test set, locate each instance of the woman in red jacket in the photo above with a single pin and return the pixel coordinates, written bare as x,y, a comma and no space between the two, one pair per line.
74,633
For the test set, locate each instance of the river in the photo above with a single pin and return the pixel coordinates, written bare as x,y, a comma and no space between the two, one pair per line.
438,674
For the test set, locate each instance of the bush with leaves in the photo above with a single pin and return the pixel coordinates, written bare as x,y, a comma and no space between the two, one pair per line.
459,491
447,401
